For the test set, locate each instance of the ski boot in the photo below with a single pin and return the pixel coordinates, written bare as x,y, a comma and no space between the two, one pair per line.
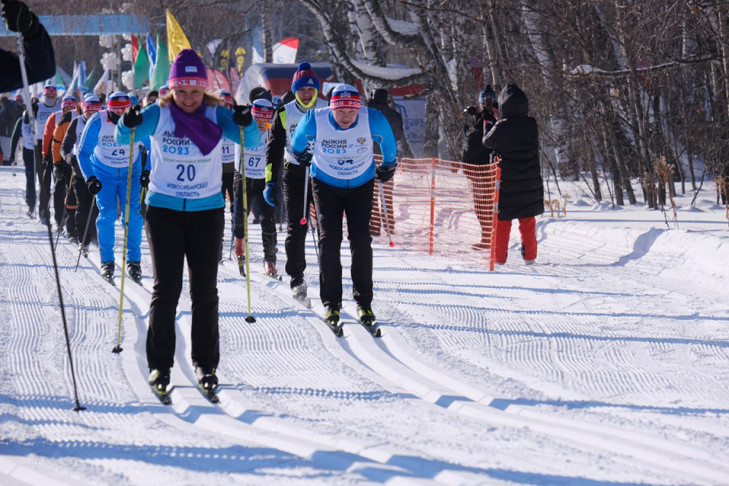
331,317
240,253
298,291
73,239
269,268
159,380
208,382
134,270
107,271
367,319
84,249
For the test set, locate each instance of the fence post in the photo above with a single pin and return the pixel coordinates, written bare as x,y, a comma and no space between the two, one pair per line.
497,185
432,208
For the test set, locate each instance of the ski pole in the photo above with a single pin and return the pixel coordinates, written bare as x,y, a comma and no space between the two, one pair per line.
118,348
65,209
313,237
305,216
384,210
31,118
250,317
86,230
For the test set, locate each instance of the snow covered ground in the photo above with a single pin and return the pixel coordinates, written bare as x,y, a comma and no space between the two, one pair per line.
605,363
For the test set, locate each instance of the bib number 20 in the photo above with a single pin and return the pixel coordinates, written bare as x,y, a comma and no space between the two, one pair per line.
185,173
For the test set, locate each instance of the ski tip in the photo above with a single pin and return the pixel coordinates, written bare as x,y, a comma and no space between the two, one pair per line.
378,333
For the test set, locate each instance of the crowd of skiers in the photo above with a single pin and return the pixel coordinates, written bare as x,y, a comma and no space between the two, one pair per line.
170,164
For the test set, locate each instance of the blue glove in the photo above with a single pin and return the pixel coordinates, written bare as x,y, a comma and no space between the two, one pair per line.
269,194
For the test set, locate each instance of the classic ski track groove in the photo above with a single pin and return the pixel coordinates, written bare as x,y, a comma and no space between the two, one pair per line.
392,368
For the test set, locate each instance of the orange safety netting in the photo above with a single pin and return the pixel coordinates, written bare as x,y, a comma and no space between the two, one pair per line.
441,207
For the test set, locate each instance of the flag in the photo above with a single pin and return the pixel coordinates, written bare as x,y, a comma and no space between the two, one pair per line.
151,53
284,52
176,38
141,67
103,85
161,70
135,48
234,80
90,80
75,83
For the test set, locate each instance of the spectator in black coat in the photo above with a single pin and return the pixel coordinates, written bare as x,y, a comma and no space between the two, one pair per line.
475,156
515,138
39,57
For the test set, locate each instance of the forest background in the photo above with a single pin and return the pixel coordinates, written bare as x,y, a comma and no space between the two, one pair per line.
622,89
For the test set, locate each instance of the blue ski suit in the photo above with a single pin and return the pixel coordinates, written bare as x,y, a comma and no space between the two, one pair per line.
99,155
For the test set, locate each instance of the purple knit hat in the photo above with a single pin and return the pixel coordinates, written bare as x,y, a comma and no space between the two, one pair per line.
187,70
305,77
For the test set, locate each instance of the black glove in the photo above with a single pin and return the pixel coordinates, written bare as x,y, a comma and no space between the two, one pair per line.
133,117
144,178
304,158
385,173
59,171
94,185
47,162
18,18
242,115
34,104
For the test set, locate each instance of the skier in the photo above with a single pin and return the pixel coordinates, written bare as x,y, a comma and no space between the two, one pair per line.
44,109
343,171
24,130
69,152
105,165
515,137
63,203
255,168
475,156
185,215
40,60
305,86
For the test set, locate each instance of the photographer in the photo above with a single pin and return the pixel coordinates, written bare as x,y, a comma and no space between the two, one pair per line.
476,155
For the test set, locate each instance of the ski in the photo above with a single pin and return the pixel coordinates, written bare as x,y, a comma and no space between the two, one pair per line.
335,327
163,396
305,301
242,266
274,276
371,326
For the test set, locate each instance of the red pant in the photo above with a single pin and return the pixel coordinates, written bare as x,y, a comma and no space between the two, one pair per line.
528,230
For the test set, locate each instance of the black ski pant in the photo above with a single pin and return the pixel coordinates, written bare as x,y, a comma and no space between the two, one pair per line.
85,202
254,192
44,185
30,194
64,202
293,193
174,236
332,204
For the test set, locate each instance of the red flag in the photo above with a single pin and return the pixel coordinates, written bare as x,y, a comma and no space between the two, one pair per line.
135,49
234,80
221,80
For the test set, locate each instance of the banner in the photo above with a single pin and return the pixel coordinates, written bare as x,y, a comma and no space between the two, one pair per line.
161,70
176,38
284,52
